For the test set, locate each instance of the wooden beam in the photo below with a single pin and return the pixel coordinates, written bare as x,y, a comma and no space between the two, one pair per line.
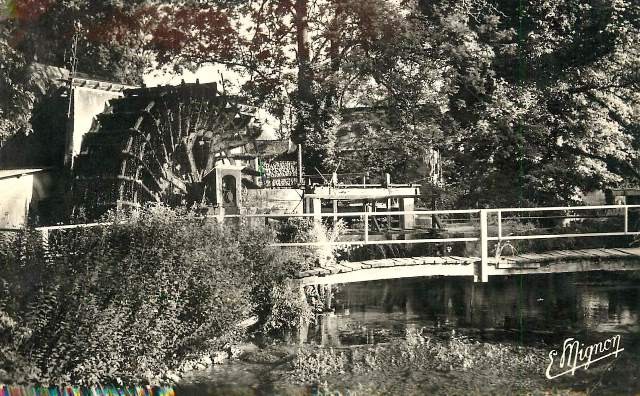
369,193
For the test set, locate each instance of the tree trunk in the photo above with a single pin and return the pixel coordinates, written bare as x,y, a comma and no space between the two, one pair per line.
305,75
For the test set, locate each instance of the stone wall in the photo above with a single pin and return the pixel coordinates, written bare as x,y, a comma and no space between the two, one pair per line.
276,169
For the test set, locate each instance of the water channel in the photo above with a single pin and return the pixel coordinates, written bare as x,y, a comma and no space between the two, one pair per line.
532,311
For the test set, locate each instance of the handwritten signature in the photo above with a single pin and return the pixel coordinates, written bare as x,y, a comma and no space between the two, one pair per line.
576,355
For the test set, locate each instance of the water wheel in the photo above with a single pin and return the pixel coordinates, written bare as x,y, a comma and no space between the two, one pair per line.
159,145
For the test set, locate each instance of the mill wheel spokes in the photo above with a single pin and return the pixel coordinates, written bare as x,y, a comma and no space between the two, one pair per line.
159,145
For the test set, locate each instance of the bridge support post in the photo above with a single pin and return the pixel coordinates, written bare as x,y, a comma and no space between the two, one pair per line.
407,221
484,247
366,222
314,205
328,296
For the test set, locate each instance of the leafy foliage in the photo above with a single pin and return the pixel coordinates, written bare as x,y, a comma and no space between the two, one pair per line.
435,353
135,300
530,103
108,33
541,105
17,97
102,39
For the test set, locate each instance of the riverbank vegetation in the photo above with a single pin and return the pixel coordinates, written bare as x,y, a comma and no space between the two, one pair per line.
421,363
430,362
137,301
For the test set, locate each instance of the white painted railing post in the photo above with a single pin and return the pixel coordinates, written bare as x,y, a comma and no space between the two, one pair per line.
499,225
484,248
300,173
366,223
626,219
316,209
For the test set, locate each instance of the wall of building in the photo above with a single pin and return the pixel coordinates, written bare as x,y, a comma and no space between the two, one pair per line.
15,198
87,104
594,198
281,200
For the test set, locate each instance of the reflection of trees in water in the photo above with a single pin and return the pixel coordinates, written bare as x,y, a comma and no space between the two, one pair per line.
557,303
595,307
608,309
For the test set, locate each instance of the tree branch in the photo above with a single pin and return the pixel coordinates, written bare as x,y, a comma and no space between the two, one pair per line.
610,160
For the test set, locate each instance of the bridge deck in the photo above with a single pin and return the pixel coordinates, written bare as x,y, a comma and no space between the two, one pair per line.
530,263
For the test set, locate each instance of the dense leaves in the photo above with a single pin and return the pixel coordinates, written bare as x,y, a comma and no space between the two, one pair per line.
544,104
135,300
103,39
108,36
529,102
17,98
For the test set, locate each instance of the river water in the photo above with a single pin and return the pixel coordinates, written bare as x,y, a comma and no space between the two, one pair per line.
531,308
533,311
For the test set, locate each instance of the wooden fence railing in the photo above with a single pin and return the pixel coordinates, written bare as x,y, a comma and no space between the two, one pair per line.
483,221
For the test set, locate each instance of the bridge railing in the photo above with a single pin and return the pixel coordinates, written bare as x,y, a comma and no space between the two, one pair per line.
556,213
491,225
490,222
625,227
366,218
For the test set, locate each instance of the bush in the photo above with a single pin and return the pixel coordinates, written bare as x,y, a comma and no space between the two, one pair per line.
578,227
309,230
134,300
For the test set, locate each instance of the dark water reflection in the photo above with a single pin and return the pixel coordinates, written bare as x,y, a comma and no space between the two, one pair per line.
531,308
538,310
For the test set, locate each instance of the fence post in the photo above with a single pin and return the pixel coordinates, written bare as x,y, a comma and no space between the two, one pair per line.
484,248
300,175
316,209
366,223
626,219
499,225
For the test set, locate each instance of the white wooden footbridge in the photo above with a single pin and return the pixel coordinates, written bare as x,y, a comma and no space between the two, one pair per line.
487,232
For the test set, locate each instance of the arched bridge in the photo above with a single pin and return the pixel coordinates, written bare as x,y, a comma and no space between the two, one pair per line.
534,263
488,237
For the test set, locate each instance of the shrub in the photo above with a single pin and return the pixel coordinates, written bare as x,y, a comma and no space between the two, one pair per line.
309,230
134,300
578,227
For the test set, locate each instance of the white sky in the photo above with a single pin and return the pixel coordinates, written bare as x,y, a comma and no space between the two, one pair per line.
206,74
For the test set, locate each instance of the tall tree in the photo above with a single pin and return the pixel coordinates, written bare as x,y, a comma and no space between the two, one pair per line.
101,38
304,60
531,102
544,103
109,35
16,98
